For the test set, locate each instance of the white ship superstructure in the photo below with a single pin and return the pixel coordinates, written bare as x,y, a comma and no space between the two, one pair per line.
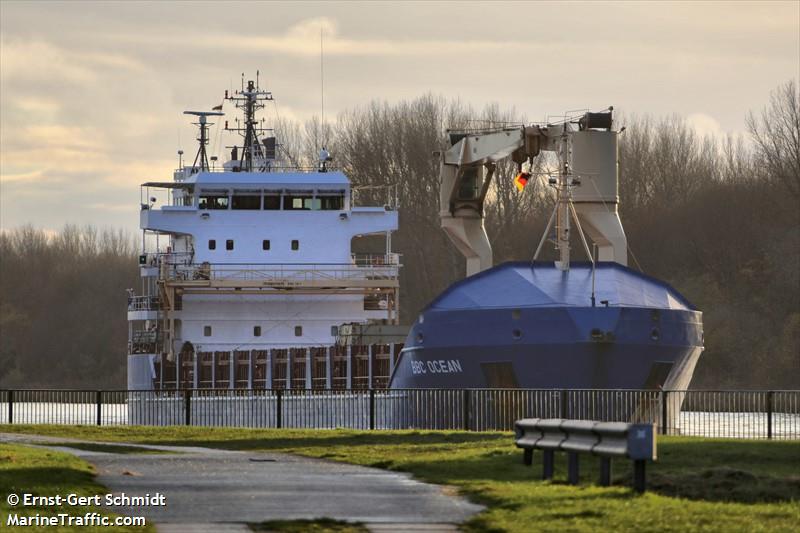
250,262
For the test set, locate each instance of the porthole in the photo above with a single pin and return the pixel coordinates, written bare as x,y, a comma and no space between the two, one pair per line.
420,338
654,334
516,334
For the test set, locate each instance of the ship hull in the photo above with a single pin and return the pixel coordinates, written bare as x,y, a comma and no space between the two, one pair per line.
570,348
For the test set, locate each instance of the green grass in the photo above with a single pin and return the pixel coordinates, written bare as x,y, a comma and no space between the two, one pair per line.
697,484
43,472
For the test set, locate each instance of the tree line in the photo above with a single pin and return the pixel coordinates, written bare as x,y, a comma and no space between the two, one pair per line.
717,218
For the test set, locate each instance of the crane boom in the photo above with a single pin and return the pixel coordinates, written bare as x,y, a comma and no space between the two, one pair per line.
587,154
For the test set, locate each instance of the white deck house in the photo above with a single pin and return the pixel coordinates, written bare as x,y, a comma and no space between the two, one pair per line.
255,261
252,270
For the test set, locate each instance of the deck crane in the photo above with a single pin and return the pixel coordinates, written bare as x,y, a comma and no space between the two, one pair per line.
585,184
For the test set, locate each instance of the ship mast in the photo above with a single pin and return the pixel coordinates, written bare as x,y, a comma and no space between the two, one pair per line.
203,124
250,100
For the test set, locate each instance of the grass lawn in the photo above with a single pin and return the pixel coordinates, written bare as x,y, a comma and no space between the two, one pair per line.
42,472
697,484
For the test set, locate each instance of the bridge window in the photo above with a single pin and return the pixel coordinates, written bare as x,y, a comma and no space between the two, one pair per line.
213,202
256,331
298,331
246,202
229,244
212,244
272,202
297,202
331,203
206,331
295,245
265,244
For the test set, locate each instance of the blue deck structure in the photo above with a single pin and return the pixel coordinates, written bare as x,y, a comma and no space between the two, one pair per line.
534,326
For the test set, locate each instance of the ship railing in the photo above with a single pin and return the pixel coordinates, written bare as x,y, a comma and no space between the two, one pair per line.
301,272
144,303
368,260
366,195
154,259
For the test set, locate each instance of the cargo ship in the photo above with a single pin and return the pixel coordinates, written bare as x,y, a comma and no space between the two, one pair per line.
595,324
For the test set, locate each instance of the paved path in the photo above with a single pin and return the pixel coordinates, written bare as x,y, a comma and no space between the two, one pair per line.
207,488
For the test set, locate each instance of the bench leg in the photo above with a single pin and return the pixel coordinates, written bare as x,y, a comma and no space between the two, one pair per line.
605,471
639,482
527,456
548,458
573,472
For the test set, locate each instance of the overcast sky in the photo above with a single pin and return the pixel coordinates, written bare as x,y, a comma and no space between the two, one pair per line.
91,94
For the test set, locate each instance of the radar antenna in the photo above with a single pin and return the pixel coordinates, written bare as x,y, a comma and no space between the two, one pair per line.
203,124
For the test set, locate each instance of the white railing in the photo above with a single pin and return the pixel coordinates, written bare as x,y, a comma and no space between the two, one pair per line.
143,303
367,267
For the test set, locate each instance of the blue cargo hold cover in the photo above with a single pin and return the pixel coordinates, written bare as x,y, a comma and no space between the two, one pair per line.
520,284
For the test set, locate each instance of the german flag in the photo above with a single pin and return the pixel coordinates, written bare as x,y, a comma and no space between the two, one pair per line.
522,180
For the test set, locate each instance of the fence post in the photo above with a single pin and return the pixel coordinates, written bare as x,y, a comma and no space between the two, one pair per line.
639,479
770,395
664,420
371,408
573,475
11,407
279,408
99,401
466,409
563,399
605,471
548,463
187,405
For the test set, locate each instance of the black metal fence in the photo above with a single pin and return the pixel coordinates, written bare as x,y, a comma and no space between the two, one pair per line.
731,414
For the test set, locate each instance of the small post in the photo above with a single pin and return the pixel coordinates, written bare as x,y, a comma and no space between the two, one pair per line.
573,472
605,471
371,408
466,409
328,368
349,367
187,406
639,480
527,456
279,408
11,407
563,399
548,458
99,402
664,421
770,395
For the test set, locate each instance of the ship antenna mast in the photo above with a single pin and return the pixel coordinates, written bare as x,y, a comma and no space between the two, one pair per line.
203,124
322,88
250,99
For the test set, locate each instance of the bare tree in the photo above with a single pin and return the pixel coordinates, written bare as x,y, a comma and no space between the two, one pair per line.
776,134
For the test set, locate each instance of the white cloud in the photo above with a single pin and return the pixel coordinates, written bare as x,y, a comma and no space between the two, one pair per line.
704,125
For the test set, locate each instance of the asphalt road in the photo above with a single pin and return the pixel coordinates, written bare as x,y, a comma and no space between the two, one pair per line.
208,488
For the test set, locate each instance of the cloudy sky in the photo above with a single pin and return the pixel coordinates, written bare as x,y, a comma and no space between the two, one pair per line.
91,94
